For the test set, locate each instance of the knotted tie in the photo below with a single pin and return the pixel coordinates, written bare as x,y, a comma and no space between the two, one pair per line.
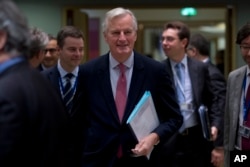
180,74
121,98
246,141
121,93
68,92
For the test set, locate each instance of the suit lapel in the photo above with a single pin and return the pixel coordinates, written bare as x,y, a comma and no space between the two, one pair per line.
54,77
237,82
135,89
169,68
77,96
103,75
194,74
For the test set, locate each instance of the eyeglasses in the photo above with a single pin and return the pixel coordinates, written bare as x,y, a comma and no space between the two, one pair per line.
51,50
245,48
168,39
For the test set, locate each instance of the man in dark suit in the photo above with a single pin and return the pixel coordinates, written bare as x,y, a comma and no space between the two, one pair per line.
39,40
50,54
191,148
33,123
199,48
110,141
70,42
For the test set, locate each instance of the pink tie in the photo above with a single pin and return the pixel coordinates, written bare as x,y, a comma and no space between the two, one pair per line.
246,141
121,98
121,93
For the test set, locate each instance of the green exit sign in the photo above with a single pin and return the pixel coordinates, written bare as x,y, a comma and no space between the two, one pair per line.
188,11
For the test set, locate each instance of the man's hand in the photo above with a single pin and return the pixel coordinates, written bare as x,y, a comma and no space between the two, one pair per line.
214,133
146,145
217,157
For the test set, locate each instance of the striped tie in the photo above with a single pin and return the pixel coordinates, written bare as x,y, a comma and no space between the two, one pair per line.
68,92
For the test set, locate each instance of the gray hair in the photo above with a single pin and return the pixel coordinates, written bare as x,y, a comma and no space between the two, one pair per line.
15,25
39,40
118,12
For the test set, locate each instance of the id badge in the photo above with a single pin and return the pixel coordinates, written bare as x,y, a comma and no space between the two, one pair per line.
244,131
186,106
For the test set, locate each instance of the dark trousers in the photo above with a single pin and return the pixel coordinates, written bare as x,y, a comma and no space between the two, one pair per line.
129,161
188,149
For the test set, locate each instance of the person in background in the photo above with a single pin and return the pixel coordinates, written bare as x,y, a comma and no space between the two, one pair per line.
110,142
39,40
199,48
33,123
219,60
193,89
50,54
71,51
237,117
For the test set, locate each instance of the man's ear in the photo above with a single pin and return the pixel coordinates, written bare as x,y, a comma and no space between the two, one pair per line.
3,38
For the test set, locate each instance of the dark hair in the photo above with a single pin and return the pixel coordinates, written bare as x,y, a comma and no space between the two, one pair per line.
243,33
200,43
51,37
183,29
68,31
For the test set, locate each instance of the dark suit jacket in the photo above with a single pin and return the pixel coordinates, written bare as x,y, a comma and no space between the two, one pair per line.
33,124
202,94
40,68
76,126
218,83
105,132
53,75
201,88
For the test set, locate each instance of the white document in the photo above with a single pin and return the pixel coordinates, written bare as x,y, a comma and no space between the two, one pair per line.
143,119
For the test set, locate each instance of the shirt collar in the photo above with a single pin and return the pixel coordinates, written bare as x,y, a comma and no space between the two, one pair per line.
183,61
128,63
63,72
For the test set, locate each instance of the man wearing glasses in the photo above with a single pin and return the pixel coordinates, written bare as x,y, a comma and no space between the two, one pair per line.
50,54
237,117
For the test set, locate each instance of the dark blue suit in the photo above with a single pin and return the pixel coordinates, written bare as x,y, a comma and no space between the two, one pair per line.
76,127
105,132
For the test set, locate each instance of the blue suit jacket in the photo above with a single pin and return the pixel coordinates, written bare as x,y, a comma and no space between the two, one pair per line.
105,132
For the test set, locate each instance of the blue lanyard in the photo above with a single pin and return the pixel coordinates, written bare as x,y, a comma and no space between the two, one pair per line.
9,63
246,104
62,87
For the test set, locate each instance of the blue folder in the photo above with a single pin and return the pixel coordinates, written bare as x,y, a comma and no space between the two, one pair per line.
146,95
